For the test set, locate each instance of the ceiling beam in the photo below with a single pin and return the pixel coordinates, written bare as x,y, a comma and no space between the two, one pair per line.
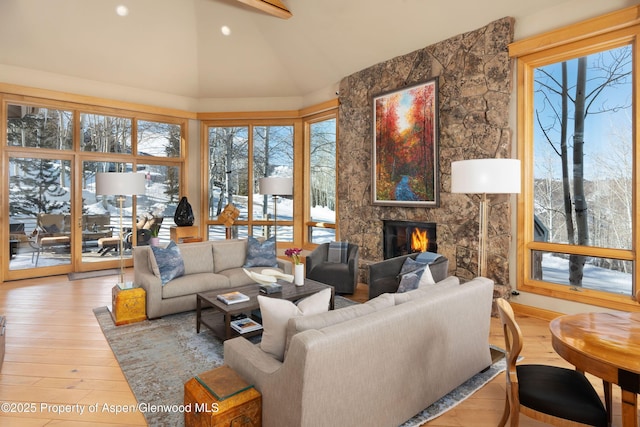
272,7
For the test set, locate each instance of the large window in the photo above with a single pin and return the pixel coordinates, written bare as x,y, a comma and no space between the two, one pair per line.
239,153
52,153
577,143
238,156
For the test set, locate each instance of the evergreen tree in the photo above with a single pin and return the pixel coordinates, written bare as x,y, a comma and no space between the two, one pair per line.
39,187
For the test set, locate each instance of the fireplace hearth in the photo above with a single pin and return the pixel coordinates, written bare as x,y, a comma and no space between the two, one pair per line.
407,237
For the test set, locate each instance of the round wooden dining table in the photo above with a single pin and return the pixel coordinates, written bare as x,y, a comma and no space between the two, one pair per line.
606,345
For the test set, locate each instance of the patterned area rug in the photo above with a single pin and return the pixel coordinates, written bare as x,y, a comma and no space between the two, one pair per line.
159,356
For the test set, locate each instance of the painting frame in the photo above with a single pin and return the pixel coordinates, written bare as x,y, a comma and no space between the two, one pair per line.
406,145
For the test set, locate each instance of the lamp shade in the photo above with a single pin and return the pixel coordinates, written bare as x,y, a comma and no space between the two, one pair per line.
489,176
276,186
120,183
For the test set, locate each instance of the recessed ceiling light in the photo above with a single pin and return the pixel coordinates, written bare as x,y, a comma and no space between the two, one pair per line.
225,30
122,10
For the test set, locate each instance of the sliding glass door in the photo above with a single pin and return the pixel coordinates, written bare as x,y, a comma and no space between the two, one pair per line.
52,219
40,213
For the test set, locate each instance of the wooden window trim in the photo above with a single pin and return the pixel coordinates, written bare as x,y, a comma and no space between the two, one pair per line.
601,33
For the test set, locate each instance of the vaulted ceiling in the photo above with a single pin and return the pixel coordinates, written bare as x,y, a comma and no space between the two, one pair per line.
177,47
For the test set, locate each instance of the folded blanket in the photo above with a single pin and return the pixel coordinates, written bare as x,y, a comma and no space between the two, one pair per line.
427,257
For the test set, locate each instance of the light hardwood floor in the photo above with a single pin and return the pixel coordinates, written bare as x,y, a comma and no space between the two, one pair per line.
59,369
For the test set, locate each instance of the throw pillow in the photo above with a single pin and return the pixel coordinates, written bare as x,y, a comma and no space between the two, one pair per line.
410,275
338,252
277,312
427,278
411,281
261,254
169,262
410,265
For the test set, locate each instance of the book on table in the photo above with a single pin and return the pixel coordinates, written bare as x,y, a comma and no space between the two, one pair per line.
233,297
270,288
245,325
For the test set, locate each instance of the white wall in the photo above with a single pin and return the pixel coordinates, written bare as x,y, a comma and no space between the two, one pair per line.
566,12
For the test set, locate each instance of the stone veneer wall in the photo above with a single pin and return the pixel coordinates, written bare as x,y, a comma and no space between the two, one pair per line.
475,81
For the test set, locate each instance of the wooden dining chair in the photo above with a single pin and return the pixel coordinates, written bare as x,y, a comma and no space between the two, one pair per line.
551,394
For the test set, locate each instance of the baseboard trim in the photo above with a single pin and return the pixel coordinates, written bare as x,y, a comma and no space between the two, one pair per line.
538,313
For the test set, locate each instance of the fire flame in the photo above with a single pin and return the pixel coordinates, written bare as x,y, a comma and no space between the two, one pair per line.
419,240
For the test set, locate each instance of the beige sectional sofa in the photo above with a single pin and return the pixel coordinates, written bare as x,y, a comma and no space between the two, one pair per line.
208,266
374,364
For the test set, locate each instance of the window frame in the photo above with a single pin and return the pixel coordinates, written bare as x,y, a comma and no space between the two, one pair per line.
310,224
300,119
250,222
78,105
595,35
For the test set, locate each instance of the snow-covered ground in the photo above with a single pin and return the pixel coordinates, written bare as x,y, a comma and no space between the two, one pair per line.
556,270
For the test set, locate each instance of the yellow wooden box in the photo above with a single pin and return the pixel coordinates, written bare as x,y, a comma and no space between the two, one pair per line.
128,305
220,398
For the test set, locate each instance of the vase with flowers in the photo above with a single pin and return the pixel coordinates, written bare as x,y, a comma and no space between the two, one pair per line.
298,267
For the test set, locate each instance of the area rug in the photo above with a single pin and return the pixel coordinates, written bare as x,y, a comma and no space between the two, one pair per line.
159,356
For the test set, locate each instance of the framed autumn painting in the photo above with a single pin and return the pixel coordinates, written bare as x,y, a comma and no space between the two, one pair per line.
405,147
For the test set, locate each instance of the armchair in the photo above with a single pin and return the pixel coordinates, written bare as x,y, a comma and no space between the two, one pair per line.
342,276
383,275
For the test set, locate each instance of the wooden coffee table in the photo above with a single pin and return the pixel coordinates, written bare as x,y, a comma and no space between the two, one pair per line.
219,319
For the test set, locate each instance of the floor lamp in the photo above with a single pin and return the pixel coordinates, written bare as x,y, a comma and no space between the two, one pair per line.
485,176
120,184
275,186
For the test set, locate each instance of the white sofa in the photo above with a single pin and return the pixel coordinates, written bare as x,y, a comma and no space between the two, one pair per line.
208,266
373,364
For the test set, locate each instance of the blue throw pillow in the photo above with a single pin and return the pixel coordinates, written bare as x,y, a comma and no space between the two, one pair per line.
410,265
410,275
169,262
410,281
261,254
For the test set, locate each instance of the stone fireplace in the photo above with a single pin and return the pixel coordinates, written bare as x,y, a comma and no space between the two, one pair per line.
407,237
475,85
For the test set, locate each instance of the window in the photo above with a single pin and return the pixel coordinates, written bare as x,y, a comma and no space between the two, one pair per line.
576,139
322,180
301,146
159,139
238,156
39,127
52,153
105,134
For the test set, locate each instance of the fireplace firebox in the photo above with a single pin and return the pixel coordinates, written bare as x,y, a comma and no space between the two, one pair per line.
407,237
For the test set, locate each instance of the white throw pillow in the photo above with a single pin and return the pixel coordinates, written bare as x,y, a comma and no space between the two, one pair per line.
277,312
426,279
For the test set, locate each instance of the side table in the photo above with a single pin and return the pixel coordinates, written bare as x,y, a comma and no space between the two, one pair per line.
178,233
221,398
128,305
